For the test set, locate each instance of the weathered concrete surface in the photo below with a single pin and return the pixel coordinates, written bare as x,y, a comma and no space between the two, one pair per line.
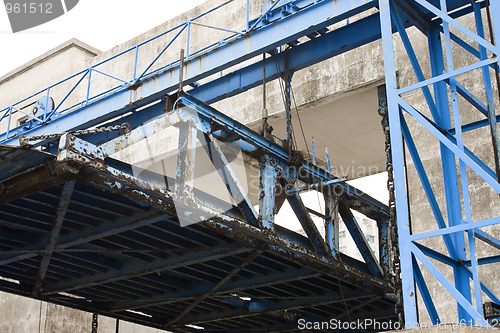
24,315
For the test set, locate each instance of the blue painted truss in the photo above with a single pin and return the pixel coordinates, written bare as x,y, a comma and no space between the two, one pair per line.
444,115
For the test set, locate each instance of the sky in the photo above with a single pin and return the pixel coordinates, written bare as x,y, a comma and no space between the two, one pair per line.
99,23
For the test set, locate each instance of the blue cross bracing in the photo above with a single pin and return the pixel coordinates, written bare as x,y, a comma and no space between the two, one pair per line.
83,231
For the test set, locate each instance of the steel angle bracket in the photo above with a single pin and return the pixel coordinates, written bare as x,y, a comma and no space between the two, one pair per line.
74,151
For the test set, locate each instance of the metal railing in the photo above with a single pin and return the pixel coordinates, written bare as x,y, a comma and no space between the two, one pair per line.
37,120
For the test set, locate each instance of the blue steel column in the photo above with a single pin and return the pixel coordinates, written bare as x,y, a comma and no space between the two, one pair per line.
449,168
184,176
408,282
331,222
267,199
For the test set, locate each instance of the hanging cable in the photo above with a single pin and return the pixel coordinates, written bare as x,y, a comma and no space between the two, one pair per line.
283,92
300,123
491,110
313,153
266,129
492,39
288,106
278,69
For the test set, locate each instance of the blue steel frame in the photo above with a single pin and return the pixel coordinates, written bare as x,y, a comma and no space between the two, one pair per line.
265,34
462,256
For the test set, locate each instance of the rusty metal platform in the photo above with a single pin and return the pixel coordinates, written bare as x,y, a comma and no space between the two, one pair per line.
78,228
121,252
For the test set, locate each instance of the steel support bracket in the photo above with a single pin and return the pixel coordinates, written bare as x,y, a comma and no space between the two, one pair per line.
73,151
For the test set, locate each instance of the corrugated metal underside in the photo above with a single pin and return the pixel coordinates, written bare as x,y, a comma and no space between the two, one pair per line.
126,257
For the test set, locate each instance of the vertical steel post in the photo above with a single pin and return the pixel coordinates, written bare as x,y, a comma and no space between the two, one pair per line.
135,61
186,157
248,16
313,151
495,15
332,221
188,38
181,70
408,282
88,86
267,199
328,160
47,98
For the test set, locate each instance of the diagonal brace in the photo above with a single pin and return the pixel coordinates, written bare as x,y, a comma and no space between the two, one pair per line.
360,240
226,172
54,234
308,225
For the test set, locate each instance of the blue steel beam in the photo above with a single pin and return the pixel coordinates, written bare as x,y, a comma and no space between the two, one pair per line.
360,240
424,291
133,268
487,238
54,234
265,39
308,224
299,57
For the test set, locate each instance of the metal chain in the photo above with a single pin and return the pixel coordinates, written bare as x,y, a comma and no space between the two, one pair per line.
124,127
95,323
396,278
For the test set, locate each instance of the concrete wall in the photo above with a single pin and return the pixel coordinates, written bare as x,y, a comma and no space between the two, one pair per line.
24,315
